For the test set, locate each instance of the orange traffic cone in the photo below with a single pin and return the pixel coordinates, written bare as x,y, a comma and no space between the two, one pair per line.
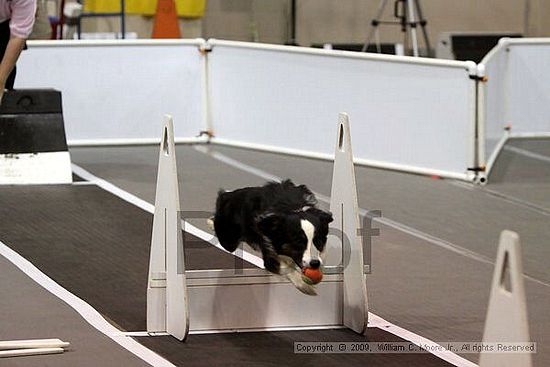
166,20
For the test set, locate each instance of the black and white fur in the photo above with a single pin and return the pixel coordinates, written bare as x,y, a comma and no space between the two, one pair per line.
276,219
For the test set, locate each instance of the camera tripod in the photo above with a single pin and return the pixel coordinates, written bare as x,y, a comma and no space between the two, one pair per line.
405,11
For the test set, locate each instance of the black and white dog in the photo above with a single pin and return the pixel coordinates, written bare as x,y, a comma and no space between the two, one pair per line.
276,219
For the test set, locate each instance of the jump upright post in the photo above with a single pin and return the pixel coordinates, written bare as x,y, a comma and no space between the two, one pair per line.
345,210
507,312
167,305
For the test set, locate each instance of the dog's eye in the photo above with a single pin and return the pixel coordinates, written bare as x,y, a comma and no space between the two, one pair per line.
319,242
297,236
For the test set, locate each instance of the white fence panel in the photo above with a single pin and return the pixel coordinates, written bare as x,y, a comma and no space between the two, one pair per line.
528,86
119,91
494,98
406,113
517,93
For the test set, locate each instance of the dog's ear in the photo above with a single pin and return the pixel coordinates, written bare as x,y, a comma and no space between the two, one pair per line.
268,223
324,216
328,217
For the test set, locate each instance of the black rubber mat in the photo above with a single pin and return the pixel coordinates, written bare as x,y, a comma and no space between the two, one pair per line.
277,349
93,244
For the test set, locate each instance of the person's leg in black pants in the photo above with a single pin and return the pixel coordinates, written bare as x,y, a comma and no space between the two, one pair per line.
4,39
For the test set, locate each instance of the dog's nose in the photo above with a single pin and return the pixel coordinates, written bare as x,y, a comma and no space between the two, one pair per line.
314,264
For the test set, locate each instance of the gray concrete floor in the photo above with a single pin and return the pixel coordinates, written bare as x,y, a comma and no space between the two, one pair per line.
523,177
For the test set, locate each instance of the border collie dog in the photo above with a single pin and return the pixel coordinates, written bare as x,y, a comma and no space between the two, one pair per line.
276,219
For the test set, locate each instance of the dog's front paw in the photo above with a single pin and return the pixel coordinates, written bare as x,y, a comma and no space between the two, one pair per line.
307,289
297,279
272,264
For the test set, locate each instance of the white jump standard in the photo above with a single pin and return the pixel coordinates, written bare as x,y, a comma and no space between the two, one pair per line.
345,210
180,301
506,320
167,306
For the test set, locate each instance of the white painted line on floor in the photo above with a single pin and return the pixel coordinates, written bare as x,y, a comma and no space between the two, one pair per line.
382,220
150,208
439,242
515,200
527,153
207,237
504,197
83,183
419,340
84,309
376,320
234,163
141,333
107,186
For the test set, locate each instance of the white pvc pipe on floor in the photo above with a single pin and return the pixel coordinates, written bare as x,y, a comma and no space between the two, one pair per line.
29,352
33,343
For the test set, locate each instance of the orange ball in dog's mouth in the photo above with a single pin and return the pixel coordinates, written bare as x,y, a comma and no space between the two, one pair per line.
312,276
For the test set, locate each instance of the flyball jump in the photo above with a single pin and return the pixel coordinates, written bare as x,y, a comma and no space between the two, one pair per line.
179,301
